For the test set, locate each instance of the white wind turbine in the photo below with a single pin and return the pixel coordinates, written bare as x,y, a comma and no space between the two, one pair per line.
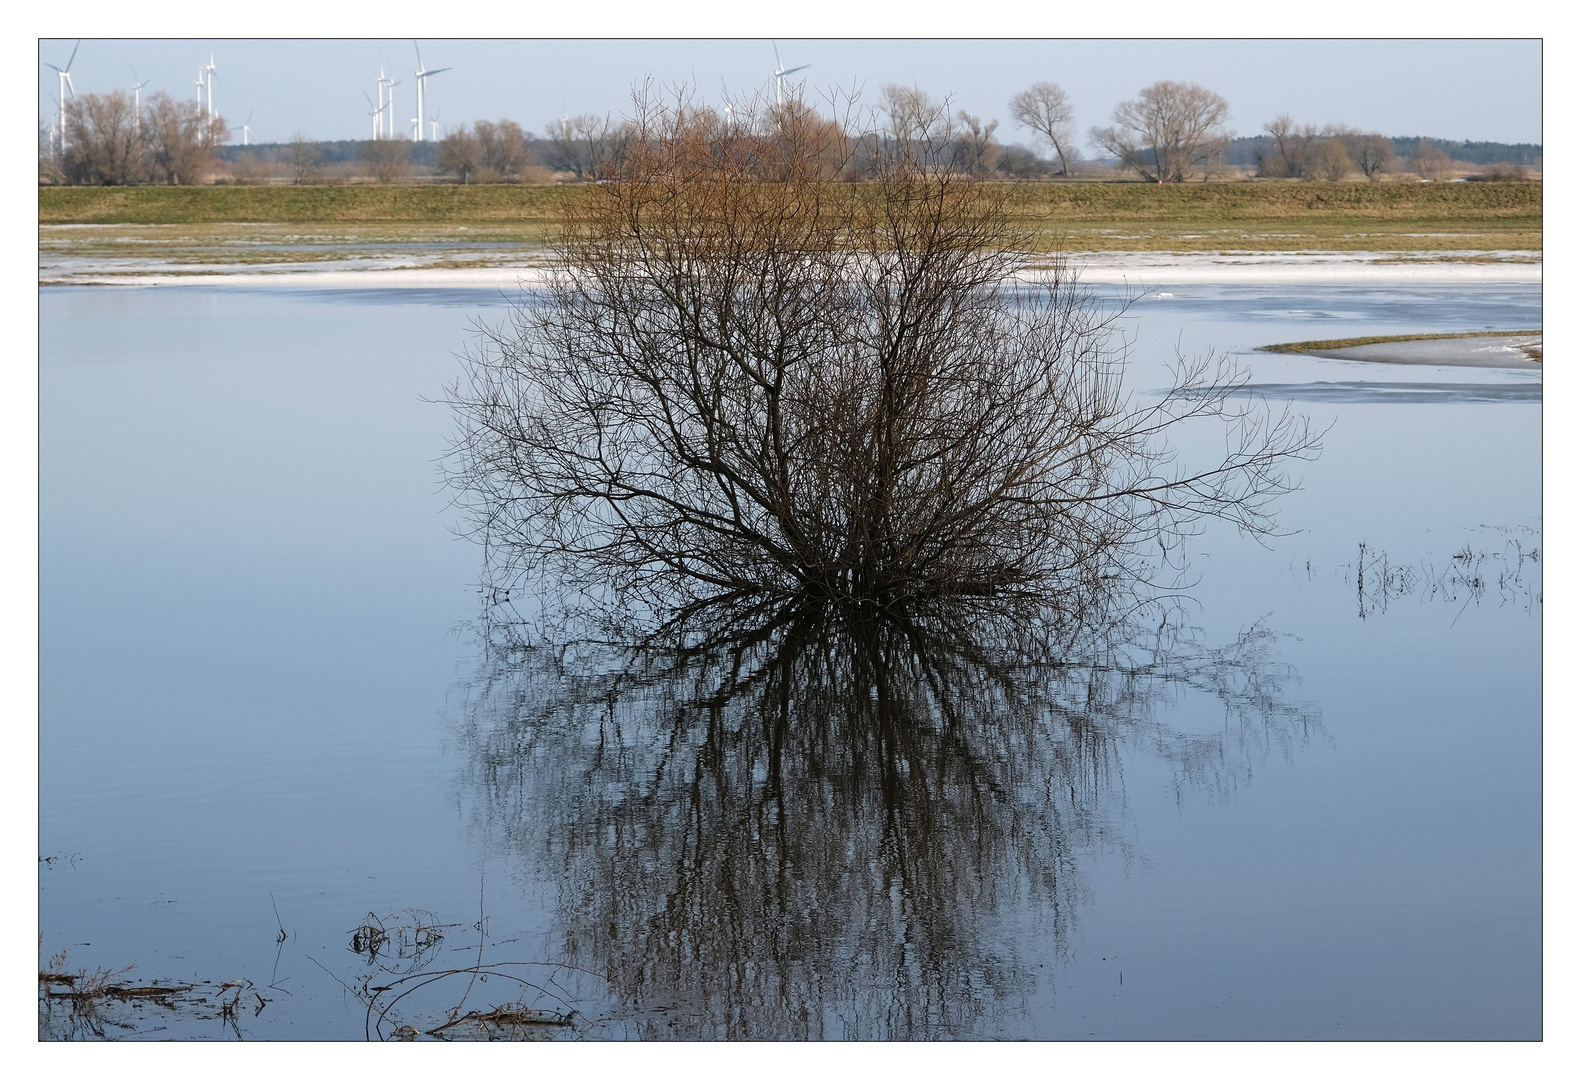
65,84
137,102
780,71
387,87
377,112
207,72
422,93
247,129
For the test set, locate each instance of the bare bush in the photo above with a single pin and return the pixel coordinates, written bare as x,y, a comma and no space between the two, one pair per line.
1170,130
747,380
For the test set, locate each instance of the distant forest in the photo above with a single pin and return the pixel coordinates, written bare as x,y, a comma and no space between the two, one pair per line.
1247,150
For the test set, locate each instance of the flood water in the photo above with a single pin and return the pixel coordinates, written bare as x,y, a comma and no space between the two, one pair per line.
277,723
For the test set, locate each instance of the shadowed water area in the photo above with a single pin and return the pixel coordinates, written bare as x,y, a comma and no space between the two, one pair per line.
288,744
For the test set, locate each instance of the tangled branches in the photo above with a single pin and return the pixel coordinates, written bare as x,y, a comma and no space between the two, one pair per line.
747,381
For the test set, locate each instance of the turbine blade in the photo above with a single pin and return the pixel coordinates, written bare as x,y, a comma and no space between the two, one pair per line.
804,67
777,64
74,49
436,71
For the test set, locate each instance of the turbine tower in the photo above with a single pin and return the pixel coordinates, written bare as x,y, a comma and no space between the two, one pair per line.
207,72
386,101
65,84
137,102
247,129
377,112
780,71
422,93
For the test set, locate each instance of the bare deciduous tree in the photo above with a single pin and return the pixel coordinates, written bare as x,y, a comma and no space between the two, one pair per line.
181,137
976,152
586,146
1330,159
1372,153
746,380
1429,162
304,159
1169,130
502,149
1292,151
459,155
915,118
387,159
104,141
1045,109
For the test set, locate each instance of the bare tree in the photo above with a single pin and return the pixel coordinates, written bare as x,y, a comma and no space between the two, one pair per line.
104,141
181,137
914,118
583,145
1330,159
1169,130
387,159
304,159
1429,162
502,149
460,155
976,152
735,389
1373,153
1045,110
1292,148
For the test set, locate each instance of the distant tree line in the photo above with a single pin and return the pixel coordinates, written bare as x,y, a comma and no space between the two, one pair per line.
1170,132
108,140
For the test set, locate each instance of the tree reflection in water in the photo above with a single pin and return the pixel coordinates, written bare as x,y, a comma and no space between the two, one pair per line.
810,826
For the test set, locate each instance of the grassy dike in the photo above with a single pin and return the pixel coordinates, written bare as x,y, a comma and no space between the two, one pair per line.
1509,207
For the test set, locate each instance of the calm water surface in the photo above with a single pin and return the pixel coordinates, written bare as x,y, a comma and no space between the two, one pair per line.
268,702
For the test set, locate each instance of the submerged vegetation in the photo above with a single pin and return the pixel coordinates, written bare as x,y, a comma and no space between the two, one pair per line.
747,384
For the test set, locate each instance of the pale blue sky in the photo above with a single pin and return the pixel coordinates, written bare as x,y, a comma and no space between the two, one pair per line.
1465,89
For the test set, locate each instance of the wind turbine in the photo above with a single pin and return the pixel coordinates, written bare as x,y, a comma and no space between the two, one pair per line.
780,71
377,112
387,85
65,84
247,129
207,71
137,102
422,95
434,126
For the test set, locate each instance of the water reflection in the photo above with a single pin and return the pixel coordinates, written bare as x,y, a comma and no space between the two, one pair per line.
813,827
